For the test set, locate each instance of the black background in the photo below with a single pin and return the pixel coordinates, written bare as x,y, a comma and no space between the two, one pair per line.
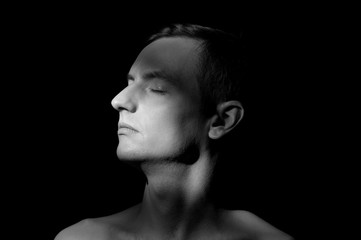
68,62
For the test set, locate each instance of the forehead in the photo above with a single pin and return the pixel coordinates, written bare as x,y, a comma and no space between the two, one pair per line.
175,56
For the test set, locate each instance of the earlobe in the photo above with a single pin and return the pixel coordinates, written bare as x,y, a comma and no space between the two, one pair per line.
229,114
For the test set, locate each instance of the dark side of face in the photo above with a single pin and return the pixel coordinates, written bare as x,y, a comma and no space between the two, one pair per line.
160,110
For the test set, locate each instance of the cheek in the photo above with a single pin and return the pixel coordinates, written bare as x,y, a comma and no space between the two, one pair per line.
171,124
164,121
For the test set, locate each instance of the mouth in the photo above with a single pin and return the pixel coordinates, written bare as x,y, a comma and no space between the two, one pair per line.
124,128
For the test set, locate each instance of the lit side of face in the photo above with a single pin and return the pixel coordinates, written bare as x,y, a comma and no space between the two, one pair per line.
161,102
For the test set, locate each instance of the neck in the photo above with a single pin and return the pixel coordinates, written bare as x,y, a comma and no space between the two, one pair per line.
176,199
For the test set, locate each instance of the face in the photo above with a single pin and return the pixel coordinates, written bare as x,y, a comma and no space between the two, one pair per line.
159,110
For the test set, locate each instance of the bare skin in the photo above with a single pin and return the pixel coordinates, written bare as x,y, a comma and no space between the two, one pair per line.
167,126
175,206
230,225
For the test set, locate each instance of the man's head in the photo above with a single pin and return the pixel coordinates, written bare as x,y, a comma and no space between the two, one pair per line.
182,92
221,69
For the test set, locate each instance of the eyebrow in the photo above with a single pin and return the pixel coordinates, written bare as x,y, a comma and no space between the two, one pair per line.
155,75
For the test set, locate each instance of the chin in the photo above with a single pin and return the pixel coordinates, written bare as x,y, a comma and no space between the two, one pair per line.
125,155
185,154
132,154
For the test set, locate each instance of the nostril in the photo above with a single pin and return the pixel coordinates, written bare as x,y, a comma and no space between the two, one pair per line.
123,101
114,104
117,102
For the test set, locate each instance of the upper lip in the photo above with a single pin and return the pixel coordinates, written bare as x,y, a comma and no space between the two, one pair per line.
124,125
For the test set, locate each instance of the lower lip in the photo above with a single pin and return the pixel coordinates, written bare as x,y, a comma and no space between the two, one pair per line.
123,131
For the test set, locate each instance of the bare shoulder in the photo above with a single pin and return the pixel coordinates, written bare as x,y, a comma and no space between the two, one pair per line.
102,228
87,229
257,227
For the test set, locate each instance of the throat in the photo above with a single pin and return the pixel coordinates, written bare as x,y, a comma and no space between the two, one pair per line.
176,196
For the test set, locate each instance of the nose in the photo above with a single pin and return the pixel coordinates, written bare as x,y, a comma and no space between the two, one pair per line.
124,101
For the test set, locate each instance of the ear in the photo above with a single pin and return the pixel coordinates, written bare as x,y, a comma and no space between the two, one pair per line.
229,114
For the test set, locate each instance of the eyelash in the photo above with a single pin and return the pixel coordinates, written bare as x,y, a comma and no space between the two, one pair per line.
154,90
157,91
130,81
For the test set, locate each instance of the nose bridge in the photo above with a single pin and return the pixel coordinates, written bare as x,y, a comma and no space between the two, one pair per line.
125,100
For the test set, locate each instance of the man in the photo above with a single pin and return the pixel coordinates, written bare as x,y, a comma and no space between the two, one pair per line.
182,98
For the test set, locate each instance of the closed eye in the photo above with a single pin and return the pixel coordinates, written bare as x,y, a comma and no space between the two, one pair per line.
130,81
158,91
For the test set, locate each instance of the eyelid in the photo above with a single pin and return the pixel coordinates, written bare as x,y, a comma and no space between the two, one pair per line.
129,80
158,88
153,85
158,91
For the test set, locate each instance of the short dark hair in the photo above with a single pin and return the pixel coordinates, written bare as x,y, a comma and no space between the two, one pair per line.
223,62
